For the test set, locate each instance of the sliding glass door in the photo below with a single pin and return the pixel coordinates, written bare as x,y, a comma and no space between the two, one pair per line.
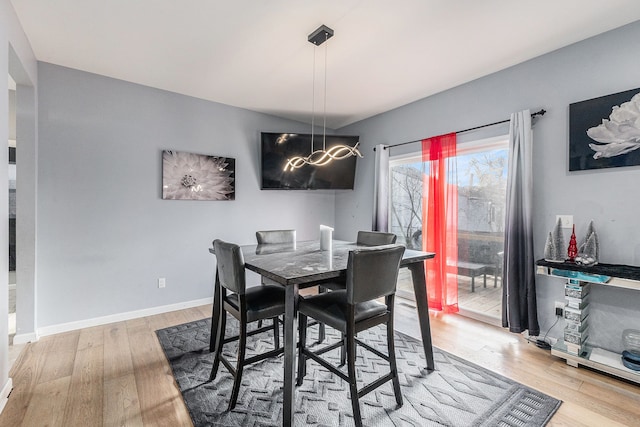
482,173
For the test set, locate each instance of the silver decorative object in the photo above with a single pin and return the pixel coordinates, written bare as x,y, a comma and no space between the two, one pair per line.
631,341
549,249
555,249
589,251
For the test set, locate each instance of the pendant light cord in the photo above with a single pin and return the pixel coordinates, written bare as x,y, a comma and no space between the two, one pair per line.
324,112
313,99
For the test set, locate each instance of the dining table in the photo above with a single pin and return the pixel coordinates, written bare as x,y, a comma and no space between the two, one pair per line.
303,264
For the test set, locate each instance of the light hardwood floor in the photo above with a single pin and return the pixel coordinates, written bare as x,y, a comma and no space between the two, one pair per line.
117,375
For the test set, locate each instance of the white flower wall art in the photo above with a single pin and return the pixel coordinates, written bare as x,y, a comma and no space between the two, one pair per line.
190,176
605,132
620,134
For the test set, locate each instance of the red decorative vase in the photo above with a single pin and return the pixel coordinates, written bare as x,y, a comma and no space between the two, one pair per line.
572,252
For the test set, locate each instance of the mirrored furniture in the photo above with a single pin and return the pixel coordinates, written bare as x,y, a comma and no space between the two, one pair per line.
579,280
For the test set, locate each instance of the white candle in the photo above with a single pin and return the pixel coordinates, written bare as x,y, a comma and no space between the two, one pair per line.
326,233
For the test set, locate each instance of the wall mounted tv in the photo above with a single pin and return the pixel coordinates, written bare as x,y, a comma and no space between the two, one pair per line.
277,148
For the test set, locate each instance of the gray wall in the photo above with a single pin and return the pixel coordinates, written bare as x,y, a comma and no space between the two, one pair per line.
104,233
599,66
27,153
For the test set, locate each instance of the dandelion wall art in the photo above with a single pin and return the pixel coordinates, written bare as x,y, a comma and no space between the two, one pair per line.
189,176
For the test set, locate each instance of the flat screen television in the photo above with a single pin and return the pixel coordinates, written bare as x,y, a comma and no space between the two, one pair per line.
278,148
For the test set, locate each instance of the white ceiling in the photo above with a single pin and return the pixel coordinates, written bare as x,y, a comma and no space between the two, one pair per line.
255,54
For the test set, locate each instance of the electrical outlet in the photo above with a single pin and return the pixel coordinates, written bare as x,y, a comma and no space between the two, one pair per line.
560,308
566,221
162,282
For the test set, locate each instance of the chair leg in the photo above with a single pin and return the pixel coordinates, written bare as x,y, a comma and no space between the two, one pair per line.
391,348
321,331
302,342
242,346
222,324
351,369
276,333
343,351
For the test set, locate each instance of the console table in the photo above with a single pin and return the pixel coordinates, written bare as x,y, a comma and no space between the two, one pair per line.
616,275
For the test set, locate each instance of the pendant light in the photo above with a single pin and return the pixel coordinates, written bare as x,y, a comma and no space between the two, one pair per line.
336,152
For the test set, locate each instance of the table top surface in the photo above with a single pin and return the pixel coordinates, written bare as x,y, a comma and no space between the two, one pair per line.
304,262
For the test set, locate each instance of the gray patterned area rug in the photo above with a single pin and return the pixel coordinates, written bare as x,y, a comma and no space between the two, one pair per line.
457,393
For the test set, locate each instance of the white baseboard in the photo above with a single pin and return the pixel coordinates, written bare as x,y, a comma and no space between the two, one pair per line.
25,338
4,394
119,317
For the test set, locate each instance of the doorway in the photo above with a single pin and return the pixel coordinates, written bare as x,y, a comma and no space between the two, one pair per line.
12,209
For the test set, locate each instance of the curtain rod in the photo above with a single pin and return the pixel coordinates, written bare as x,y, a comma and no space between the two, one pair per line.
537,113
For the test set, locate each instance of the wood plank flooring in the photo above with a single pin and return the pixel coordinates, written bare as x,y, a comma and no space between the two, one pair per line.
117,374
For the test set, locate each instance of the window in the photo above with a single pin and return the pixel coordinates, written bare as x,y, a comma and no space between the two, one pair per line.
482,179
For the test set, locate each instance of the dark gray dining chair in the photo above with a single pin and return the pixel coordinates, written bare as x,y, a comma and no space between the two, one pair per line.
269,237
247,305
375,238
371,273
273,237
365,238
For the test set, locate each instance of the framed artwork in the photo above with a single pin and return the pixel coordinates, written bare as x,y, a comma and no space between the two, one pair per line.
190,176
605,132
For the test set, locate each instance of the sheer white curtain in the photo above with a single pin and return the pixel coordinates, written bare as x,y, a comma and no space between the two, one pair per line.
519,306
381,190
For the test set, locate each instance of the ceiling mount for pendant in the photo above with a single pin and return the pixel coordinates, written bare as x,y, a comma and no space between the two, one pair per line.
321,35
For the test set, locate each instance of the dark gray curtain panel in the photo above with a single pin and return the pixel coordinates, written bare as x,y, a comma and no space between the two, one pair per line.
519,307
381,190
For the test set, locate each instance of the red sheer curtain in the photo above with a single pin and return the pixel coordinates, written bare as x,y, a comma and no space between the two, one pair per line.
440,221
